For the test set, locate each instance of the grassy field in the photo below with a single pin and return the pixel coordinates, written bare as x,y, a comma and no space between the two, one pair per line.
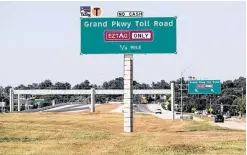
102,133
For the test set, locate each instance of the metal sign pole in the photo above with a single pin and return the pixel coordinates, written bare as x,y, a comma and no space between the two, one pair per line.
128,92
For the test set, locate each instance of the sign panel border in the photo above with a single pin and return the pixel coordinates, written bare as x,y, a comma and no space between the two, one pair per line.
193,93
94,53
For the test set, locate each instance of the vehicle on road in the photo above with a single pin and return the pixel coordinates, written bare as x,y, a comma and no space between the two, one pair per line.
158,111
218,118
134,105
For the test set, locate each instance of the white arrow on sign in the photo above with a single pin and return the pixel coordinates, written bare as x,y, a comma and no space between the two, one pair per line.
196,90
212,90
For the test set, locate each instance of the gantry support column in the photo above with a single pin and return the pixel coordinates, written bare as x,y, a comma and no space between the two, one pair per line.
11,100
53,102
92,100
19,102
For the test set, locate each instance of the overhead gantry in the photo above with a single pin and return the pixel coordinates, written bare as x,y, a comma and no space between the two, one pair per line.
91,92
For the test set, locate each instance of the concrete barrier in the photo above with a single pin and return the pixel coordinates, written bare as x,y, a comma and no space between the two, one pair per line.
186,117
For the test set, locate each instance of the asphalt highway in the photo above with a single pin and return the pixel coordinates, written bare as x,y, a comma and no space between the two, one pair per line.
80,107
69,108
141,108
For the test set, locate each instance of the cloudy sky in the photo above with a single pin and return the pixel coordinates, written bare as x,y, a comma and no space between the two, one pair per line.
41,40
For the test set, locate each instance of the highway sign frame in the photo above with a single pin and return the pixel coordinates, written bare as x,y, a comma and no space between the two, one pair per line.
216,87
165,37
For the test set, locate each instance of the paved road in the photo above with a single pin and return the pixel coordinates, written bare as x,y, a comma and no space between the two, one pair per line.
69,108
138,108
141,108
231,124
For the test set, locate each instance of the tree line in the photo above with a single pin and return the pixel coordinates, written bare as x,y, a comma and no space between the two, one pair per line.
232,95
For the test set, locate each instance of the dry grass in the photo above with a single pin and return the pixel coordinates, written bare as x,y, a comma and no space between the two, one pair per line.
102,133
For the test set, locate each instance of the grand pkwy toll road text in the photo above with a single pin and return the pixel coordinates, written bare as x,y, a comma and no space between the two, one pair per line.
145,23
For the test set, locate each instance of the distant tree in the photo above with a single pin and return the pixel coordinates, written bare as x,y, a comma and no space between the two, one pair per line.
67,85
160,85
21,87
200,104
86,84
83,85
105,85
46,84
33,86
227,84
58,85
1,91
240,82
243,106
6,89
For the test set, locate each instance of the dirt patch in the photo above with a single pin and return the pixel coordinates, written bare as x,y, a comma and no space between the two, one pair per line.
103,108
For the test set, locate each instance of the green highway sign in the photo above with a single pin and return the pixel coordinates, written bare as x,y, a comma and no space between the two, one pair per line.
142,35
204,87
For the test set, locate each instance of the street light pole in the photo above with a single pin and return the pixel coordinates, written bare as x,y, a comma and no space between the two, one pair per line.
182,91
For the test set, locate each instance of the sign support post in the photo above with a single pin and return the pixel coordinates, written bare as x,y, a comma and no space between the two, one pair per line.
128,92
53,103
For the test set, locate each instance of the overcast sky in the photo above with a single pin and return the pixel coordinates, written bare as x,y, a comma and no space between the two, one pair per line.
41,40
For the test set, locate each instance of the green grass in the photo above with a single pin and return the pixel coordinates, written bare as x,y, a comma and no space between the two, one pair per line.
206,126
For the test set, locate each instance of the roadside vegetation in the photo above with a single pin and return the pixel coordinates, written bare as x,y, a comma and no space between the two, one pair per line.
232,94
102,133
